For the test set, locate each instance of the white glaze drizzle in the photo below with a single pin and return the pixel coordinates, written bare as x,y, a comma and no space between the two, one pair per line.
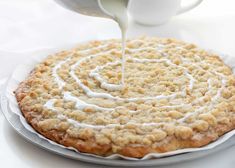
57,79
103,84
91,93
50,105
81,104
111,87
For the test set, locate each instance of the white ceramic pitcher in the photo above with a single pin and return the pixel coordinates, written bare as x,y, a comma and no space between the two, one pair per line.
87,7
156,12
149,12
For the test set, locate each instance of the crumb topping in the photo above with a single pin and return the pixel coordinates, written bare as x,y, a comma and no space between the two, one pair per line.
172,89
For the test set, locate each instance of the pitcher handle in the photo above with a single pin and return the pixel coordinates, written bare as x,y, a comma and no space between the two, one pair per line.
184,9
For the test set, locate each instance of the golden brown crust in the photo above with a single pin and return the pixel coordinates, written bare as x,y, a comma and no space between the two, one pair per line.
208,129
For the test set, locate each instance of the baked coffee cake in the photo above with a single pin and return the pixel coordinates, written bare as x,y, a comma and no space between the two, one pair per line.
175,96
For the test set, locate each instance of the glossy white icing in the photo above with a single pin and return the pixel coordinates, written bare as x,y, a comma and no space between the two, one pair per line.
57,79
80,104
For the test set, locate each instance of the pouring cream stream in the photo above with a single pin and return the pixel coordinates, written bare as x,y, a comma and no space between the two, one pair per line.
118,9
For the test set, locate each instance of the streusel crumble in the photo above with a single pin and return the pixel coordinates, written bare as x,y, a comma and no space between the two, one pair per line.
175,96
